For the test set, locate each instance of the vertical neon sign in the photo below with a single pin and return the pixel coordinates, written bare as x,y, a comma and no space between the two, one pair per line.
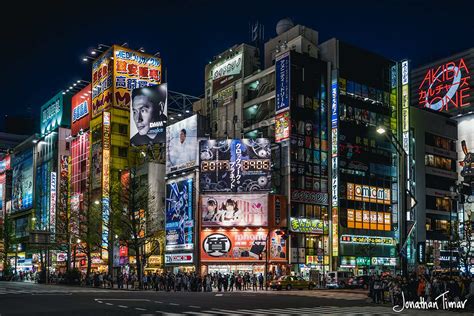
52,208
105,183
334,154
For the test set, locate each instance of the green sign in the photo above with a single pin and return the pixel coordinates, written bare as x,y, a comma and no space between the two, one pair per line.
307,225
56,112
363,261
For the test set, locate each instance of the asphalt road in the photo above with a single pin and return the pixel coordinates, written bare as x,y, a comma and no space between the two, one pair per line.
34,299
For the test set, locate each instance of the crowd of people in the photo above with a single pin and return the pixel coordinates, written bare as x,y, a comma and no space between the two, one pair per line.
389,289
182,281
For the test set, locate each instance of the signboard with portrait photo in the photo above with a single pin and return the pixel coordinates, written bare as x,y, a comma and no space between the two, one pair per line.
148,115
179,224
218,210
233,245
235,165
181,145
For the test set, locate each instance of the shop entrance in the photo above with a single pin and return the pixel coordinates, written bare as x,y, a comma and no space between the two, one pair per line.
237,269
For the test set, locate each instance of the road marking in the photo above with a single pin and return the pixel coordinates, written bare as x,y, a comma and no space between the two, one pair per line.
219,294
109,304
174,304
99,302
123,299
140,309
159,302
122,306
194,306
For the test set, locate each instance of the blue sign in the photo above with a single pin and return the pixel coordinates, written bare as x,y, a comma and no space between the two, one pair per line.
80,111
334,103
282,88
55,113
179,215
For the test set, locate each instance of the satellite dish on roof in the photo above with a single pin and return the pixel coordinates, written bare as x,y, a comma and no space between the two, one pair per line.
284,25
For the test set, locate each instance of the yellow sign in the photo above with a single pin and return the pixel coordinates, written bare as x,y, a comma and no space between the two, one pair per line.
335,233
154,261
102,71
133,70
363,219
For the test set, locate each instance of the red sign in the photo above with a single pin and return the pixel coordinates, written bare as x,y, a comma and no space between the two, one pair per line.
445,87
123,251
81,110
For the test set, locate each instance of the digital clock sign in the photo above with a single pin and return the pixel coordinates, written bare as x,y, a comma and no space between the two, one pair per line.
237,165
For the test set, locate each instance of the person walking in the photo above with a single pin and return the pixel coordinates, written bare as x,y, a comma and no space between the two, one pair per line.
260,282
254,282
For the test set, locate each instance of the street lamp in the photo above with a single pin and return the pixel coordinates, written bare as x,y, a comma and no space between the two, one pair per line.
78,241
402,173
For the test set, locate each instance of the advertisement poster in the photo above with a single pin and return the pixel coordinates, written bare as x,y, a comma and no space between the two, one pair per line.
148,115
96,175
22,181
233,245
81,110
52,204
277,210
63,193
278,249
179,224
282,126
181,145
133,70
220,210
235,165
2,196
282,89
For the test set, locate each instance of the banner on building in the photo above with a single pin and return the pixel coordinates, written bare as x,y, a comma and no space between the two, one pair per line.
148,115
229,210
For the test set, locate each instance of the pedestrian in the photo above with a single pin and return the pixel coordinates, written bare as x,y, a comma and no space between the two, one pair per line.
260,282
231,282
254,282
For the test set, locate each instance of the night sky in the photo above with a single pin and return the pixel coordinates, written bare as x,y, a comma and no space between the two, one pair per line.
43,42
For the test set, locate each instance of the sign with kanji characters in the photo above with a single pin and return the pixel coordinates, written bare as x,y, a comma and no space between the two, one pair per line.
237,165
133,70
233,245
102,78
355,239
227,71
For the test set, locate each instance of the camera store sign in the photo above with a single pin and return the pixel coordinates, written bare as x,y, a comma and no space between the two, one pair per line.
366,193
306,225
354,239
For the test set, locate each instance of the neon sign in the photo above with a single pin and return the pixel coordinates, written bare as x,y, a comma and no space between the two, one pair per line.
445,86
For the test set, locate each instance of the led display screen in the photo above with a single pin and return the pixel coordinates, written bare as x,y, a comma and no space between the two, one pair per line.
238,165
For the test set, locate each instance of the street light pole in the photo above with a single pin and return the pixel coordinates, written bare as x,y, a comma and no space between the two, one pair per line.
402,213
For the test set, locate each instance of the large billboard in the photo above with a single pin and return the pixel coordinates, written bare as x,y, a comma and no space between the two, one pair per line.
366,193
227,71
182,145
81,110
148,115
22,182
233,245
179,225
225,210
235,165
133,70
